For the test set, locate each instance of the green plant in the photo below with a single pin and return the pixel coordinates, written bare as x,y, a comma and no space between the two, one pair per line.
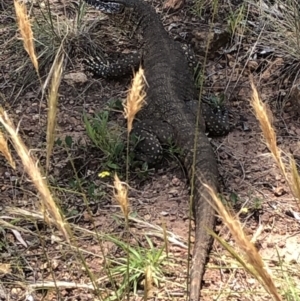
68,142
138,261
216,101
236,19
257,203
107,138
202,5
199,77
173,150
115,104
92,190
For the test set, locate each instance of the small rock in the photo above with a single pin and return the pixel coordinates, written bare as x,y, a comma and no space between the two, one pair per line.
175,181
279,191
173,192
75,77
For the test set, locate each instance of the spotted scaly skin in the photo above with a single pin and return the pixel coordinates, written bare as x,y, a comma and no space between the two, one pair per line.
216,117
166,115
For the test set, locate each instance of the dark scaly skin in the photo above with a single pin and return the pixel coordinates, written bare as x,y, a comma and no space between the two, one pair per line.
114,69
170,86
216,118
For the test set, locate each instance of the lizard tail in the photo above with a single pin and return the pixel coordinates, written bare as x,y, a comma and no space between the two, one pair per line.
205,172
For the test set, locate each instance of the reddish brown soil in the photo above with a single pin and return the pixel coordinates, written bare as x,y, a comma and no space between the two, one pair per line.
251,181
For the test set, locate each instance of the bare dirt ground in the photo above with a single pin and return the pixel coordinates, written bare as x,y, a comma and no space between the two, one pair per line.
32,254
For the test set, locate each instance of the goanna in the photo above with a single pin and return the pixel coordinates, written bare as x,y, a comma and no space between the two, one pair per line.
168,115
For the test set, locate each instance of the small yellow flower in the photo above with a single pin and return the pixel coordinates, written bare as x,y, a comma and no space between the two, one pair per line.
104,174
244,210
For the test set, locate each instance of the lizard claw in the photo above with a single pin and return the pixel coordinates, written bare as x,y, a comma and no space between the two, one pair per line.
96,65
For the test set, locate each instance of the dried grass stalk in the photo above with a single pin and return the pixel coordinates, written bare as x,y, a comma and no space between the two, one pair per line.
121,195
250,252
135,98
26,32
5,151
261,114
37,178
52,105
148,283
295,179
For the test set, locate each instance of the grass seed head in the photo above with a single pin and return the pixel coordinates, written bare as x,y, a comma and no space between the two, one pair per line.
135,98
26,32
148,282
52,104
250,252
262,116
5,151
39,181
121,195
295,179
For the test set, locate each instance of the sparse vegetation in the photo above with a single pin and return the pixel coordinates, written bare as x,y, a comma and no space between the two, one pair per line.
281,30
107,139
96,255
201,6
216,101
236,20
142,263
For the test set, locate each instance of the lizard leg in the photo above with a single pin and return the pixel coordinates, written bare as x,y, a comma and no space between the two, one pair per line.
124,65
216,120
190,56
215,117
152,136
107,7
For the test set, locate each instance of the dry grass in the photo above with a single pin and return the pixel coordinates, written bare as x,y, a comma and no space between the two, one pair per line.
280,21
253,263
295,179
292,178
121,195
52,28
26,32
52,103
31,167
251,260
279,34
5,150
135,98
262,116
148,283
